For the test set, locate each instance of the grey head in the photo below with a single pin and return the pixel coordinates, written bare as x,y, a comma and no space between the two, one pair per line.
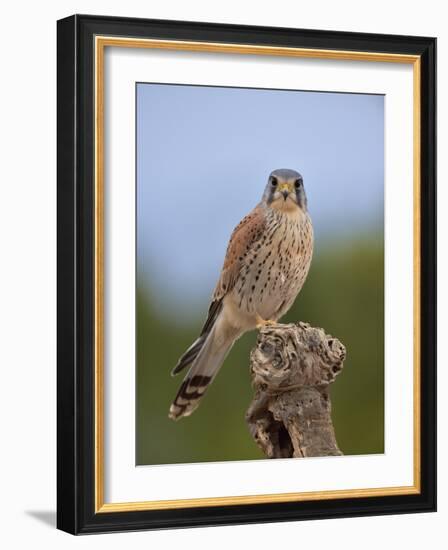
285,190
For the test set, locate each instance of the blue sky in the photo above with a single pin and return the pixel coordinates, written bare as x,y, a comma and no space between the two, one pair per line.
203,158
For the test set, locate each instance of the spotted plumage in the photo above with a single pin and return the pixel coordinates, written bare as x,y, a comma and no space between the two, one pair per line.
266,264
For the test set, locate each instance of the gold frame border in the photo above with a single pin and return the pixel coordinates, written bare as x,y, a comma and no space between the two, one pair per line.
101,42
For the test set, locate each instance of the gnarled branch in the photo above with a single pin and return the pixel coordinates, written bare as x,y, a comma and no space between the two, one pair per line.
292,367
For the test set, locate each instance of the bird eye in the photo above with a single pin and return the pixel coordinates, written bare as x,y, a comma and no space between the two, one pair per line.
297,183
274,182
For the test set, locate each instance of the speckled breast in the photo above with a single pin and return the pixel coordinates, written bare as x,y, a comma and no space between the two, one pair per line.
276,267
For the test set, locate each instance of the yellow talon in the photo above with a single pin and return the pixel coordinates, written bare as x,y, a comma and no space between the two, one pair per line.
263,323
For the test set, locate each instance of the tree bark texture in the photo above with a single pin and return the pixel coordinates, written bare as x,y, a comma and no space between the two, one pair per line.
292,367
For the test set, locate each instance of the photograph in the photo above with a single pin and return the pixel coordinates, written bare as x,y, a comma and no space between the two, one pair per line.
221,218
259,220
246,274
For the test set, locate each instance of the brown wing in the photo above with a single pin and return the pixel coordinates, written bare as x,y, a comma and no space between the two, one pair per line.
246,233
243,237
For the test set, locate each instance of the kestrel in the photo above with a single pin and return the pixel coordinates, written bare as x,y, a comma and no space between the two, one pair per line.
267,261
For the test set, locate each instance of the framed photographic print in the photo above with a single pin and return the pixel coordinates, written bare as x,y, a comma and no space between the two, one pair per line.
246,274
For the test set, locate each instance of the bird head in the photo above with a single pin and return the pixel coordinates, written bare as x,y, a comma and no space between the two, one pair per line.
284,191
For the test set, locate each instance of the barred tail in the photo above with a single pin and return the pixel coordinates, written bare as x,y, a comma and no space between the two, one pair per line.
208,359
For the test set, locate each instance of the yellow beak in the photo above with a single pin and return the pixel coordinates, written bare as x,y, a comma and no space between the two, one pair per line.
285,187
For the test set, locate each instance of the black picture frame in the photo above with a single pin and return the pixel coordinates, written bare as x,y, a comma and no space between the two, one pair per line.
75,296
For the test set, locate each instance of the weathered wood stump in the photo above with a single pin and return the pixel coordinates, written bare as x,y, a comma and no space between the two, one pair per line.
292,367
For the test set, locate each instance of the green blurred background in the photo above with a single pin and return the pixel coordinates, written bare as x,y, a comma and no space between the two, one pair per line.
344,294
203,158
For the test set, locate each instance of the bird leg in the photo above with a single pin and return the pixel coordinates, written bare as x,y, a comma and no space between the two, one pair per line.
263,323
